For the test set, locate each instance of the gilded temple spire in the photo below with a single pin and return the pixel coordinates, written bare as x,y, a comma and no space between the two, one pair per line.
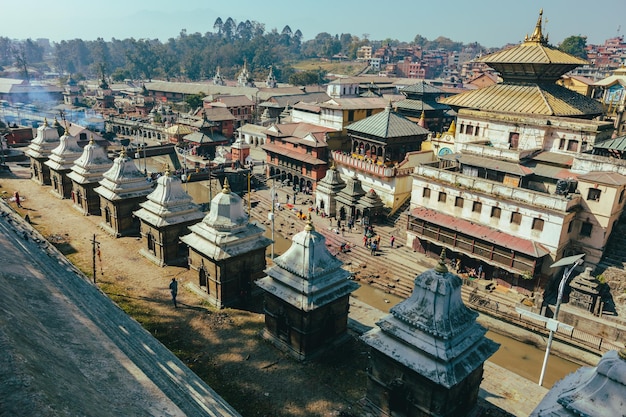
537,35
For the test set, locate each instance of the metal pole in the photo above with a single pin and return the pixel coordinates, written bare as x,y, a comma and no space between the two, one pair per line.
94,244
249,197
559,297
273,204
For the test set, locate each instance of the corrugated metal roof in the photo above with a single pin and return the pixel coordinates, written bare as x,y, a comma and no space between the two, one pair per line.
420,105
421,87
387,124
540,99
554,158
480,232
532,52
618,144
551,171
489,163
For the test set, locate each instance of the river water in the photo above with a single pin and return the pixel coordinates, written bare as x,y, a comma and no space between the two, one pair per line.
518,357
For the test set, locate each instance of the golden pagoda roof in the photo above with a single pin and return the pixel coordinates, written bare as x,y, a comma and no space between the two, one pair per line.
544,99
532,60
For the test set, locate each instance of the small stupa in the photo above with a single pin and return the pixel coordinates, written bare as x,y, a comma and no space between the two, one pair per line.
327,189
306,297
122,188
60,163
165,217
599,391
85,174
39,151
427,355
226,250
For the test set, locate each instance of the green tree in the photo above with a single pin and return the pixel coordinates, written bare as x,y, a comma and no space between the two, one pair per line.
575,45
195,100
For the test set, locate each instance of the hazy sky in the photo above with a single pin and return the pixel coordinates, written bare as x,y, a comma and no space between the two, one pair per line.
492,23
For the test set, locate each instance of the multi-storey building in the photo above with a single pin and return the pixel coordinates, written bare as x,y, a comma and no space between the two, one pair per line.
514,196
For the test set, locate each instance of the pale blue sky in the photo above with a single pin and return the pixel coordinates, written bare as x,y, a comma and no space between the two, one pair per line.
490,22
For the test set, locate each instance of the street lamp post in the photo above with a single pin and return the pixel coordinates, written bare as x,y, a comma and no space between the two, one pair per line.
553,324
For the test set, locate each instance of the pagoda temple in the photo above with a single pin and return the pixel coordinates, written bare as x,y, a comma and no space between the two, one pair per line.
427,355
306,297
530,71
121,190
85,174
327,190
165,216
39,151
60,163
226,250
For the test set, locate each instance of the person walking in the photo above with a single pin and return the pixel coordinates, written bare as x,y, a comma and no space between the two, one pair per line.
17,199
392,240
373,247
174,290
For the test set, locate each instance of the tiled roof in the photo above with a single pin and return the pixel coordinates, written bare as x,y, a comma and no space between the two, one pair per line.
303,157
485,233
542,99
387,124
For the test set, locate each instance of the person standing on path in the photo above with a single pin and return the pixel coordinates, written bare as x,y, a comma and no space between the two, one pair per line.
174,290
17,199
392,240
373,247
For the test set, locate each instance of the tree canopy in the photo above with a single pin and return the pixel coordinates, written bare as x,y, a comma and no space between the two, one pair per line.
575,45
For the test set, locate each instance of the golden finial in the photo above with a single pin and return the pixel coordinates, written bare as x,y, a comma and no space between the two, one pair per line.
91,141
45,122
537,35
441,266
226,189
452,128
423,116
332,164
123,152
167,170
309,224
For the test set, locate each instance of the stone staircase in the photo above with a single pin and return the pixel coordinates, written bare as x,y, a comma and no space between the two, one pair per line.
614,254
391,270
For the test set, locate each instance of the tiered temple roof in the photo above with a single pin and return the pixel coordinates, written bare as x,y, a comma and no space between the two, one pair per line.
91,165
46,140
432,332
225,231
599,391
123,180
63,156
168,204
530,71
307,276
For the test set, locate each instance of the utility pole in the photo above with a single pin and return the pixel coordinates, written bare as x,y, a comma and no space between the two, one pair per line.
95,245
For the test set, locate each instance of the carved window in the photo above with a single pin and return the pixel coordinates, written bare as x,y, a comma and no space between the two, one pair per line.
477,207
442,197
538,224
516,218
496,212
458,202
426,193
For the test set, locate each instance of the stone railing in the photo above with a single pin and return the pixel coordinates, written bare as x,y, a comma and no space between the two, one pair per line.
534,198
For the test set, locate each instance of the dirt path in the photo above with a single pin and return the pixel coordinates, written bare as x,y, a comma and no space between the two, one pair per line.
222,347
